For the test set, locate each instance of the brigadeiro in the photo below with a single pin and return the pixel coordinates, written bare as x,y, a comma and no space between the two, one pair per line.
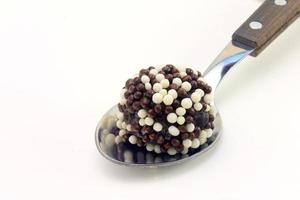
166,109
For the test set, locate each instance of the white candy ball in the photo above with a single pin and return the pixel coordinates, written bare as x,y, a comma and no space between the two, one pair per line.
185,151
207,108
164,92
142,122
198,106
165,83
149,121
157,127
187,143
201,79
177,81
208,98
186,103
109,139
200,91
180,111
122,132
195,72
202,140
142,113
195,143
213,110
124,125
190,127
157,87
203,137
120,115
157,98
150,147
159,77
196,97
148,86
209,132
128,156
153,71
128,127
157,149
180,120
173,131
168,99
118,139
171,151
186,86
132,139
145,79
172,118
182,74
119,123
173,93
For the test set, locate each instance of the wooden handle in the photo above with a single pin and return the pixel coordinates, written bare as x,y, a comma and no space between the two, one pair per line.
266,23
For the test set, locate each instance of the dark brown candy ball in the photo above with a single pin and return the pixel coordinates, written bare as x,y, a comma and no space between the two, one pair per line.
160,139
201,119
182,93
152,137
140,87
189,71
182,129
130,99
145,101
173,86
175,142
138,95
167,69
167,145
176,104
136,80
187,78
131,89
179,148
158,108
149,94
189,119
136,105
146,130
168,109
129,82
144,72
151,112
185,136
169,77
194,84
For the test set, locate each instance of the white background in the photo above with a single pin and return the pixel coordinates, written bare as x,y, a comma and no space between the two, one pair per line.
62,64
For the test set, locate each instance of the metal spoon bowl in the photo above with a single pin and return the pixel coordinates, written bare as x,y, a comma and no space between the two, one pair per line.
130,155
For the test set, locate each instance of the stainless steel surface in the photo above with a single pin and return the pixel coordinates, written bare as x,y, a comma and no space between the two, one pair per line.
230,56
129,155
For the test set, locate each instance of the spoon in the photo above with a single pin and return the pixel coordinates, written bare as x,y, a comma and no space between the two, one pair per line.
266,23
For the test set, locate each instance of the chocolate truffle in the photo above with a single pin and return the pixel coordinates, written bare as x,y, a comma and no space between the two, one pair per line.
166,109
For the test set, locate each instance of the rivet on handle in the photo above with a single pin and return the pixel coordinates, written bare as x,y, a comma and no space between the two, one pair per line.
280,2
255,25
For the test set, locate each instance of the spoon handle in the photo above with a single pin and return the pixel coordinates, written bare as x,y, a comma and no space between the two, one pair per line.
266,23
